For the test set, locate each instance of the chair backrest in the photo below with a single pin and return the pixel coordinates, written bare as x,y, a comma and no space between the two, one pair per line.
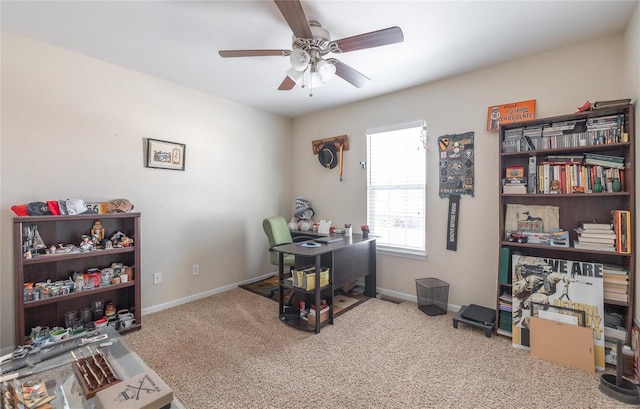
277,232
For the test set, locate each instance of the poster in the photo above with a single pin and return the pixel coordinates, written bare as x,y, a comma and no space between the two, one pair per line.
510,113
569,284
456,164
531,218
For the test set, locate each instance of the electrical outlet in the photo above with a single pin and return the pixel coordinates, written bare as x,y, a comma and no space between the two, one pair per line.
157,278
195,269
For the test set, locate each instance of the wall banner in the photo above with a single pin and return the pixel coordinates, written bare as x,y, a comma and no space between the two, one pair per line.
456,164
452,223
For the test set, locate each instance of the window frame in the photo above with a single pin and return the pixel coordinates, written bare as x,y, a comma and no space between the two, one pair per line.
398,249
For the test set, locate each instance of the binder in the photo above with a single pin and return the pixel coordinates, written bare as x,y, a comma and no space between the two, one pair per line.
504,265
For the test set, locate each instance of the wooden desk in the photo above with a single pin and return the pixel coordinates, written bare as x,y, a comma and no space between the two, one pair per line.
348,260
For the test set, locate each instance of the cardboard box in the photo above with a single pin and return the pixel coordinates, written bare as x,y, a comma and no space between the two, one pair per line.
324,315
556,238
566,344
144,391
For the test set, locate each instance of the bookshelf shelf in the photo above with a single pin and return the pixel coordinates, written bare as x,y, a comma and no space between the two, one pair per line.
608,132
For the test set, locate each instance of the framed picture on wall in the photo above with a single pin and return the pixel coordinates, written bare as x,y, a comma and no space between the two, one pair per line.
165,155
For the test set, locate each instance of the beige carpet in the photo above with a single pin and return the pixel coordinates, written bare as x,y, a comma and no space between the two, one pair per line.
230,351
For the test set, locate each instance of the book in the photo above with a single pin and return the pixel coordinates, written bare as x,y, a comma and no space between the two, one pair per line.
615,296
593,246
608,158
621,220
595,233
514,189
604,163
144,391
546,184
564,158
514,172
615,269
615,333
514,181
597,245
599,240
616,288
611,103
532,174
504,265
595,226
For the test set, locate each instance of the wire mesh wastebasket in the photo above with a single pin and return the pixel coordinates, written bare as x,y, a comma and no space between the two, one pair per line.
433,295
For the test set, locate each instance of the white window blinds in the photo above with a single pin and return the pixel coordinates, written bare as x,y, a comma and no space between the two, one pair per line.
396,187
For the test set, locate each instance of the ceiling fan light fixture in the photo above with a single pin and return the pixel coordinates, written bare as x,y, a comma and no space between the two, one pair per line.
299,59
325,70
295,75
316,80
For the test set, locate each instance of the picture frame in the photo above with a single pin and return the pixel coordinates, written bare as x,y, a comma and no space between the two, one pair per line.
579,315
165,154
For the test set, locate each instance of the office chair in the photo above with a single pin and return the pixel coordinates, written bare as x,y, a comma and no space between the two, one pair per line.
278,233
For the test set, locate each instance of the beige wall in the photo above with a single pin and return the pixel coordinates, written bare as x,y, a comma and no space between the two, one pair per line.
73,127
559,81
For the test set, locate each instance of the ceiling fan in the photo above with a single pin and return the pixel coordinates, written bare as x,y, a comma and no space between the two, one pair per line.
311,43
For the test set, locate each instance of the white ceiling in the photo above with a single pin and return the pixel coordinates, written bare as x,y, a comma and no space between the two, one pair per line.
179,40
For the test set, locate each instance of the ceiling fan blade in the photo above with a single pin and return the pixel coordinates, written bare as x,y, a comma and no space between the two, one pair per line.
293,13
254,53
378,38
287,84
349,74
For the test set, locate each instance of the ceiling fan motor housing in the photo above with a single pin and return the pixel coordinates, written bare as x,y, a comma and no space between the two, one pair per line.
319,42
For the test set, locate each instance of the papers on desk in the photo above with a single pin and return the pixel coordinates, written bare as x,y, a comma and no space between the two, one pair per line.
308,244
324,226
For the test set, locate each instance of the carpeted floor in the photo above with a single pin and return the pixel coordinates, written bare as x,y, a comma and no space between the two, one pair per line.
268,287
230,351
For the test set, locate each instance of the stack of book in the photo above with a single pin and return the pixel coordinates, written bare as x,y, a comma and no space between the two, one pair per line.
505,307
605,129
511,141
613,331
515,180
621,220
514,185
615,281
607,161
596,236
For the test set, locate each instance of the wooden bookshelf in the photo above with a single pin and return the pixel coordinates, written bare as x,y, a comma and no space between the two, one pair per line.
576,135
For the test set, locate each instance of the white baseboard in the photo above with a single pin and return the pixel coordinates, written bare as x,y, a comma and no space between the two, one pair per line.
180,301
412,298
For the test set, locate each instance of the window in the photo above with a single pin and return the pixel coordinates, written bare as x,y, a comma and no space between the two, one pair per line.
396,187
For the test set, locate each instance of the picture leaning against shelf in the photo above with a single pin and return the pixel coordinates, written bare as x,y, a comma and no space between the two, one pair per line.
563,283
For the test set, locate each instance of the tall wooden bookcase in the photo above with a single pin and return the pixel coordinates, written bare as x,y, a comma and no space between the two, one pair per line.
569,135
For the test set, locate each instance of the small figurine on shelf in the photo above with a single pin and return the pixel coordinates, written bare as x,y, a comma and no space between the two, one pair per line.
365,231
97,233
86,244
119,239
